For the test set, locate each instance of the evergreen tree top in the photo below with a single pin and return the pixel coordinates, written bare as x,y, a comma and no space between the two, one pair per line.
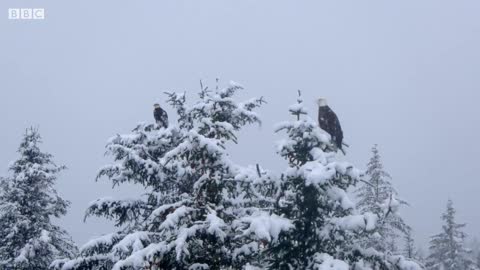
447,249
375,165
377,195
31,157
197,201
34,176
305,141
28,202
313,197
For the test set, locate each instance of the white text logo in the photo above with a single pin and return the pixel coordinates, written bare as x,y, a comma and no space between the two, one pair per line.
26,13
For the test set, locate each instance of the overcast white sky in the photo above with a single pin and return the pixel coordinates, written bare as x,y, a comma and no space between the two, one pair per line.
403,74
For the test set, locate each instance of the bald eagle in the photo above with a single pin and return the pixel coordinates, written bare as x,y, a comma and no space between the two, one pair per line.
161,116
328,121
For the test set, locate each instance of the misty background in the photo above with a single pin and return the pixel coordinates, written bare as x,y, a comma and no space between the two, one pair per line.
401,74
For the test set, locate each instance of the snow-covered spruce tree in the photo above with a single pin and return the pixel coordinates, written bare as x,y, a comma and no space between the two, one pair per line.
473,246
373,195
195,195
28,202
447,250
137,157
409,249
313,196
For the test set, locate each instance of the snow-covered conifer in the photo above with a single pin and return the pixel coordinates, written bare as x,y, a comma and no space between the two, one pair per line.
474,249
28,203
447,249
374,195
313,197
409,249
197,200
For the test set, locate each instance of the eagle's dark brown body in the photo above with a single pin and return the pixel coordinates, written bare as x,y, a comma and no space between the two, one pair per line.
328,121
161,117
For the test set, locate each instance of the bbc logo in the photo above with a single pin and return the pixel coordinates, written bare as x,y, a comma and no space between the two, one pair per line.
26,14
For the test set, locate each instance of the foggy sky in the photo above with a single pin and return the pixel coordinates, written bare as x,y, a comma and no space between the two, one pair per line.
402,74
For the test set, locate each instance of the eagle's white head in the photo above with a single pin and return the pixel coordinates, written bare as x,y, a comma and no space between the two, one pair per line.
156,105
322,102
